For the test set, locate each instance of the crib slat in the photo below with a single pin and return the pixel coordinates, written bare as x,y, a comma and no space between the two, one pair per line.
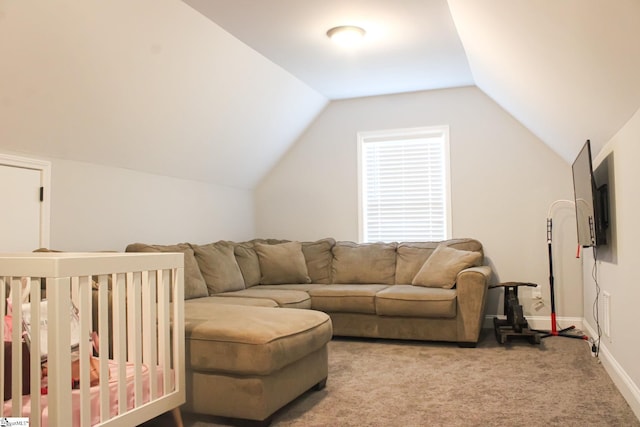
119,337
35,350
146,327
59,356
149,335
16,347
84,299
103,331
134,302
178,331
3,312
164,342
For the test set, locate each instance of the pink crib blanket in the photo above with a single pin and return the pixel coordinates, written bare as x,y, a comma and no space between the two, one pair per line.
95,396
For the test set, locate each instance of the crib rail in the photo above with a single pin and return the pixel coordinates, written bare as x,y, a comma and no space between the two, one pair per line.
134,302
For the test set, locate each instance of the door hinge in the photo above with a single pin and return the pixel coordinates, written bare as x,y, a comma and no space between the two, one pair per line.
42,194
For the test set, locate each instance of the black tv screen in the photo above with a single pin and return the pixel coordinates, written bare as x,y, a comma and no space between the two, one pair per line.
590,215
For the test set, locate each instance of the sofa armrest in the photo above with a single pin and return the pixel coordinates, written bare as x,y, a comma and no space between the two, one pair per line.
471,285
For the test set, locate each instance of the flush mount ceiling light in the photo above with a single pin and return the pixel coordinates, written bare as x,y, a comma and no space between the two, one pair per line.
346,35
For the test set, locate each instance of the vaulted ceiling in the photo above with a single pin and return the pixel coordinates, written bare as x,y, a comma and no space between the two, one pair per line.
218,90
568,70
410,45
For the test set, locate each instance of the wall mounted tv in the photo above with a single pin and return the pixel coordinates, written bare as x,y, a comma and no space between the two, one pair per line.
592,210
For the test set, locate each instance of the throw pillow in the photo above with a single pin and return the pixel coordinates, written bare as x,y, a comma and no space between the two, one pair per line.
444,264
219,267
282,263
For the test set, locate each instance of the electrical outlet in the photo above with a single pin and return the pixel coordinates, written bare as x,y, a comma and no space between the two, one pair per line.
536,294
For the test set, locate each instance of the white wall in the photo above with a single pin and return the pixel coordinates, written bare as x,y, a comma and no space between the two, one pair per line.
503,182
152,86
148,85
96,207
621,278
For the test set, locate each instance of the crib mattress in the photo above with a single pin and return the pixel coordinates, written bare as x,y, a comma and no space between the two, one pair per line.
95,396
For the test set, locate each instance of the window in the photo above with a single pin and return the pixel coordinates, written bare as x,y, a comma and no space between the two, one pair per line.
404,191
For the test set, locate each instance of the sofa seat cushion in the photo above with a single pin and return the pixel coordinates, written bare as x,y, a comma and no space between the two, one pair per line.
416,301
284,297
197,303
345,298
252,340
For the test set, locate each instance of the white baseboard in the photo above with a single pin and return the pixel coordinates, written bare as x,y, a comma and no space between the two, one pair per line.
541,322
621,379
629,390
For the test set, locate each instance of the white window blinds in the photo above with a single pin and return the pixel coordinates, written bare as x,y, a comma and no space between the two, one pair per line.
404,185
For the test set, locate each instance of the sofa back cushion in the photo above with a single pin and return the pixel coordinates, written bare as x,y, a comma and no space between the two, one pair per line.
371,263
411,257
465,245
317,255
282,263
319,258
247,260
194,284
219,267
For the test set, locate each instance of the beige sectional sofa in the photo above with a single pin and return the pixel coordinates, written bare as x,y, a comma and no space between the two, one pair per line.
259,314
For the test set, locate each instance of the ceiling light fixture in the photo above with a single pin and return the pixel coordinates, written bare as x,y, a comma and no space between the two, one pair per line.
346,35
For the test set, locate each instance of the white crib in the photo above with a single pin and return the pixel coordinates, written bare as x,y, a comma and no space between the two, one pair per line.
138,302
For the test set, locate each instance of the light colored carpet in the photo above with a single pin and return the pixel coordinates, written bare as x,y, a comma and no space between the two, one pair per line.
400,383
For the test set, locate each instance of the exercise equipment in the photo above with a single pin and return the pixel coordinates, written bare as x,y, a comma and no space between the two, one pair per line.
515,325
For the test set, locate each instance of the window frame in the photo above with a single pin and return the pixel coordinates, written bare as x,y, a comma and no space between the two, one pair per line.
365,137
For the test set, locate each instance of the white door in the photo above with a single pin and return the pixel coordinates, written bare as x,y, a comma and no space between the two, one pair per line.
23,216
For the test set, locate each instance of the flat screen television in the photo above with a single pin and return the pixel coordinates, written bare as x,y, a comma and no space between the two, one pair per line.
591,201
